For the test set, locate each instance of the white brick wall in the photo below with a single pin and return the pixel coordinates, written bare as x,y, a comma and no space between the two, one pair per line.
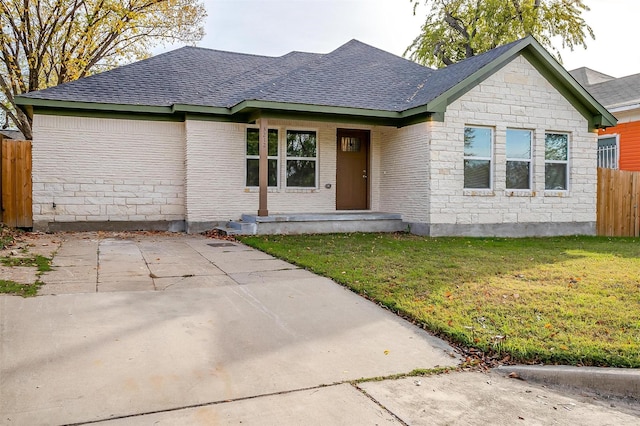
216,164
403,171
97,169
516,96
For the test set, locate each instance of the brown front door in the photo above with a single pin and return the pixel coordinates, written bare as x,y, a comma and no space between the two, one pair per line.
352,175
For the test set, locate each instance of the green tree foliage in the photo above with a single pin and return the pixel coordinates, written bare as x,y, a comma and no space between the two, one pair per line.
458,29
48,42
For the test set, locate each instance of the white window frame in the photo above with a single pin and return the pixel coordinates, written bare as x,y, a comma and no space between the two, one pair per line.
522,160
257,157
287,158
490,159
565,162
617,159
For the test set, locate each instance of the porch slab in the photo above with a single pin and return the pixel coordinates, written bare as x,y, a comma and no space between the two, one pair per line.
320,223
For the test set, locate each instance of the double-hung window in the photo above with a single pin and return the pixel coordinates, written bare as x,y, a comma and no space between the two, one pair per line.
253,157
518,159
477,157
556,161
301,159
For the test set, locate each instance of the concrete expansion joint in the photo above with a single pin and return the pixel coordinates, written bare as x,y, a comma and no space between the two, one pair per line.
97,265
379,404
208,404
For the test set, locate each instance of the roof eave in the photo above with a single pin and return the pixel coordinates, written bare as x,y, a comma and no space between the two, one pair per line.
245,111
94,106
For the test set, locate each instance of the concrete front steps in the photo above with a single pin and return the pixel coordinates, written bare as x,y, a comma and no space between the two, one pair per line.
315,223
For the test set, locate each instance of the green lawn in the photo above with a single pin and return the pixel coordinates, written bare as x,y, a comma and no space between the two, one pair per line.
569,300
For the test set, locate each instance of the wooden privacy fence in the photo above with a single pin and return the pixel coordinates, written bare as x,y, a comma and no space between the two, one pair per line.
15,172
618,209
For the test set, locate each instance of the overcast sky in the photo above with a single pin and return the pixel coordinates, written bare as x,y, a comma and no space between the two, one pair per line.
276,27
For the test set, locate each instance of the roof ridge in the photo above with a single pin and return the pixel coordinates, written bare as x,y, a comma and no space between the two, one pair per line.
218,51
272,85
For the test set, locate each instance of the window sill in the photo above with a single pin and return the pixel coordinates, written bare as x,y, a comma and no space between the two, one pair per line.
519,193
301,190
479,192
255,189
560,194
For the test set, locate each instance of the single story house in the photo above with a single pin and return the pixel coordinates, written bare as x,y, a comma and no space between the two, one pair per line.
501,144
618,146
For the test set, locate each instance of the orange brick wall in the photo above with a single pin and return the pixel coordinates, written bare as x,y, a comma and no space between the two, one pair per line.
629,144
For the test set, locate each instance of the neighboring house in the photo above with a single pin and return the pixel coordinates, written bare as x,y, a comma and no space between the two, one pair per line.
618,146
499,144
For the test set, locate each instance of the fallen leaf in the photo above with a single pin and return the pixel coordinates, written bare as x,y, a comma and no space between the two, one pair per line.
386,352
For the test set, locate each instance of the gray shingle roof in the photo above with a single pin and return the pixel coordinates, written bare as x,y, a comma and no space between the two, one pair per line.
586,76
355,79
163,80
609,91
618,92
355,75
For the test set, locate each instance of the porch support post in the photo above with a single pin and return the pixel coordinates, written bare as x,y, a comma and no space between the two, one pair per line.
263,167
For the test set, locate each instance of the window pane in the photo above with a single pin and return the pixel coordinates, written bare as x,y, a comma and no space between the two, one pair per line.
555,176
301,144
556,146
518,175
477,142
518,144
606,142
301,173
253,142
253,174
477,174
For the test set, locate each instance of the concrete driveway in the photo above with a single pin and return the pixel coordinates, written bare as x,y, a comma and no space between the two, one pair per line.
157,329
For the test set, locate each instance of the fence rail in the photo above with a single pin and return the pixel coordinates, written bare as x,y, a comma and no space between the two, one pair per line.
618,210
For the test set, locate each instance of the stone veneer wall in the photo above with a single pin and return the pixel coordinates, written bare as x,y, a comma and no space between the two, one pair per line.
517,96
88,170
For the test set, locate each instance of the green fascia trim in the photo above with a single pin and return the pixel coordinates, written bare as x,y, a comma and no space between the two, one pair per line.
324,118
109,114
198,109
560,78
546,64
239,118
251,117
245,112
310,108
95,106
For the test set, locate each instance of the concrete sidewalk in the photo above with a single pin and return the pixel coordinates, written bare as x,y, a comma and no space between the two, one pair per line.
159,329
